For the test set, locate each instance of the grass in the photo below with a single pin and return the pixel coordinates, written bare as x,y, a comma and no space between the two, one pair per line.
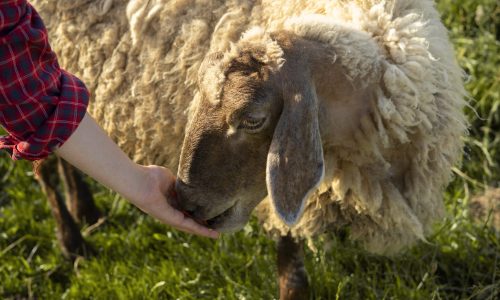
137,258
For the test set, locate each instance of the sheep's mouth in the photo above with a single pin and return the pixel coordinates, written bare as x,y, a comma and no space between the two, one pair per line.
219,219
228,222
211,223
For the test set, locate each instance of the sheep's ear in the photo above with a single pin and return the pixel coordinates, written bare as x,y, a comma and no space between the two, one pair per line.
211,76
295,163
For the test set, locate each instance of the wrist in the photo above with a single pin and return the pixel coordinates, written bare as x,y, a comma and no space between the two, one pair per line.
141,187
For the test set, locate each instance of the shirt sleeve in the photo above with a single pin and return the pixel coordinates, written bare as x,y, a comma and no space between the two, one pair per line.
41,105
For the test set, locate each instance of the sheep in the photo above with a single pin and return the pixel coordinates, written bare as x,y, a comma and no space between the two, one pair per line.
353,109
374,102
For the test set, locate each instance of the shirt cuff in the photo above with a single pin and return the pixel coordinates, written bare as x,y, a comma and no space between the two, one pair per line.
57,128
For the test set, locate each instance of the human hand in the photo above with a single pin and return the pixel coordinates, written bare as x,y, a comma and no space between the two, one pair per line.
154,202
145,187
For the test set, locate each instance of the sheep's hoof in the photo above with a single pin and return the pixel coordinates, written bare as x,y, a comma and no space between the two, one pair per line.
292,273
287,293
72,244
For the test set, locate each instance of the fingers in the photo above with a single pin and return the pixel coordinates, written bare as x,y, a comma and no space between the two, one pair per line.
161,201
171,216
186,224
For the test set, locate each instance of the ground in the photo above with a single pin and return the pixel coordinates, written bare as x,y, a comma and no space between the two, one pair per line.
137,258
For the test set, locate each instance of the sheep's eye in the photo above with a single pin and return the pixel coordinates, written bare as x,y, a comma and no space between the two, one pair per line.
251,124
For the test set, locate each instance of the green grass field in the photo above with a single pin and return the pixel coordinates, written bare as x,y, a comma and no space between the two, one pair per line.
138,258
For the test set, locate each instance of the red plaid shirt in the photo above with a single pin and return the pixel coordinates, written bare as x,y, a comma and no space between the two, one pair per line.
41,105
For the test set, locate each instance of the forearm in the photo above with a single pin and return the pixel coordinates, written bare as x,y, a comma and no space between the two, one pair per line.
91,150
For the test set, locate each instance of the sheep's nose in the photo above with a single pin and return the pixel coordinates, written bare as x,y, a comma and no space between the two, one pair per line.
183,202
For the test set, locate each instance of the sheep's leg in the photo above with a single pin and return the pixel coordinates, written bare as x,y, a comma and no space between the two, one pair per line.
291,270
68,234
79,199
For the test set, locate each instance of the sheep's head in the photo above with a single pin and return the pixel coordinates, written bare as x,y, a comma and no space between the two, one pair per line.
254,132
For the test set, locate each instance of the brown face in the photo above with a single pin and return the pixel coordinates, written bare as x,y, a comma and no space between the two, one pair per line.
255,132
222,170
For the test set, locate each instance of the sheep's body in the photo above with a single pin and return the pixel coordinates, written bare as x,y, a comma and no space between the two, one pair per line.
140,60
